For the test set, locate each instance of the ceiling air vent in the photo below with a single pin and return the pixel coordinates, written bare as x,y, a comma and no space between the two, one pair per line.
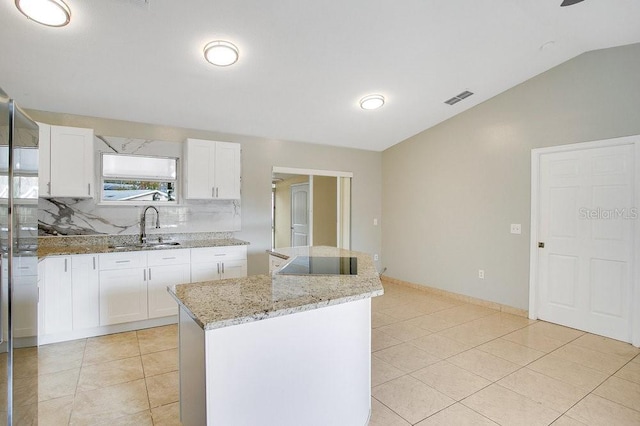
457,98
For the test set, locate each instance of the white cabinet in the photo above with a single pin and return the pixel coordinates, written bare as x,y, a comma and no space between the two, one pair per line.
93,294
66,161
215,263
123,287
57,305
211,170
69,294
85,291
165,268
25,296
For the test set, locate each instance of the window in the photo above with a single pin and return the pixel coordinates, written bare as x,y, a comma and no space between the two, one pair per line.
139,179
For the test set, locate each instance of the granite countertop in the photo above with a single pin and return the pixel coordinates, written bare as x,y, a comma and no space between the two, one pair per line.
58,246
217,304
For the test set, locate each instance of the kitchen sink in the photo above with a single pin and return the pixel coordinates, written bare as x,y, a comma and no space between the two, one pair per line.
151,245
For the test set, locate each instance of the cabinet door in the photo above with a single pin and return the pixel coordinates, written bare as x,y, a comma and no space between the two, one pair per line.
234,269
71,162
44,160
200,158
123,295
86,291
209,271
160,303
227,170
57,295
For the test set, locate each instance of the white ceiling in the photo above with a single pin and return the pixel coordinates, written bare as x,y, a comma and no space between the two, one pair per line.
304,64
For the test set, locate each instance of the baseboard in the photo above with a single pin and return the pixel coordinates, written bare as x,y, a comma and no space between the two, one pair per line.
456,296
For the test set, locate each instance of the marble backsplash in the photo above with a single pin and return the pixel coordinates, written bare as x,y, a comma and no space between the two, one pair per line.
69,216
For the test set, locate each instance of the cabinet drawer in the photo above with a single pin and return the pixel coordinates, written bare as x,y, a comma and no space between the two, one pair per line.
123,260
218,254
168,257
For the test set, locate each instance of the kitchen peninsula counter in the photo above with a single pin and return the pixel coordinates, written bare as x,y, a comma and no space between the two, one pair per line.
278,349
216,304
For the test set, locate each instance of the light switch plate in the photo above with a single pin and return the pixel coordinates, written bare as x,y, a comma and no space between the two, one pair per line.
516,228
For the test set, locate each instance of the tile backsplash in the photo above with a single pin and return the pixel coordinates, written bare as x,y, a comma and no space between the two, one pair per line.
68,216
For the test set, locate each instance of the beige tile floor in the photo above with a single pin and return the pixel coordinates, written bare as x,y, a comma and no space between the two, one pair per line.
438,361
435,361
121,379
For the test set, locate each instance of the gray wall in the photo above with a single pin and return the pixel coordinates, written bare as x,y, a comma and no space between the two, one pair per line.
451,192
259,155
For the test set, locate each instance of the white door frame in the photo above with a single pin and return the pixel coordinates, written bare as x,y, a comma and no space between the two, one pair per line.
535,200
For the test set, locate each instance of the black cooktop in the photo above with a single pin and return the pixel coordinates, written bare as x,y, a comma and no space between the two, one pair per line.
314,265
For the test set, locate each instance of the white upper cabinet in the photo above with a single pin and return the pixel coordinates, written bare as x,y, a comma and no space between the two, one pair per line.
66,162
211,170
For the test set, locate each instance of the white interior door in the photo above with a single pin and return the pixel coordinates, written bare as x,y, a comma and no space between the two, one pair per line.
586,217
300,199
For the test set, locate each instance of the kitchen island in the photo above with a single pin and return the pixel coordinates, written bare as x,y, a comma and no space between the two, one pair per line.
278,349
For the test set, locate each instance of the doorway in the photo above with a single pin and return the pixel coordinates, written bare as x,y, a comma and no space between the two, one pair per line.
325,197
584,228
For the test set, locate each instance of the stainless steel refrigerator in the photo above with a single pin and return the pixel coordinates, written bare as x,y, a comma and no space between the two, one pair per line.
19,260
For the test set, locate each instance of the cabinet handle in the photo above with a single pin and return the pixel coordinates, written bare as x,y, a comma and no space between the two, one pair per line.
65,265
213,192
217,192
23,267
49,188
168,258
123,261
223,267
149,274
223,254
94,263
144,274
88,189
218,268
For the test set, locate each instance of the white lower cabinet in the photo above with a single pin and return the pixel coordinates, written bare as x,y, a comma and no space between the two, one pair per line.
57,299
217,263
165,268
83,295
123,287
25,296
85,286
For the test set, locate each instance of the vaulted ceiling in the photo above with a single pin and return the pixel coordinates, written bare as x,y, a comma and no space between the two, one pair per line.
303,64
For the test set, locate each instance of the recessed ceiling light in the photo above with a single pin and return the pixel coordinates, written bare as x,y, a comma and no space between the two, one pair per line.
221,53
372,102
52,13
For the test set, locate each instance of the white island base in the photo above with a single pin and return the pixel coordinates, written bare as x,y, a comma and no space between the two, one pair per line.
307,368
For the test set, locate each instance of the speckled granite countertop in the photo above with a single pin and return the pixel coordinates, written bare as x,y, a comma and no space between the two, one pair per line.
217,304
57,246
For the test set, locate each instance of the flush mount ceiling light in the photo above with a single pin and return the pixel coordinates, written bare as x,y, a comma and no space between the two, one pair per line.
372,102
52,13
221,53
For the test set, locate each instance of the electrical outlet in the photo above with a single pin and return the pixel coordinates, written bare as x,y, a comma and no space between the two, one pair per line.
481,274
375,257
516,228
375,221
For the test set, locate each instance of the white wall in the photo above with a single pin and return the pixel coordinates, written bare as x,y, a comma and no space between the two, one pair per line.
259,155
451,192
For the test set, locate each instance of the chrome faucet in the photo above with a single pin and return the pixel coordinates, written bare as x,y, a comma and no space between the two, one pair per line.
143,223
